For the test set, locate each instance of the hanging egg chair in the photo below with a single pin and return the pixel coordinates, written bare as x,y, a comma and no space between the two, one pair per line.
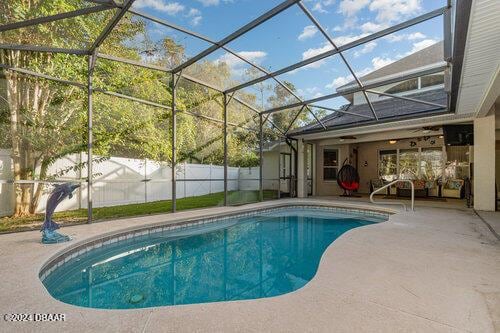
348,178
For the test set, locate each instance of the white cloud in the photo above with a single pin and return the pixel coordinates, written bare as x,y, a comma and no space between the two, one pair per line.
422,45
171,8
387,11
319,5
208,3
195,15
349,23
399,37
309,53
379,62
193,12
339,81
351,7
367,48
371,27
308,32
233,61
416,35
196,20
319,8
312,90
392,10
341,40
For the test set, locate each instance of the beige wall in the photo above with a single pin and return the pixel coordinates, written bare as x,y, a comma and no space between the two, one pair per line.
328,187
367,163
270,170
368,156
484,172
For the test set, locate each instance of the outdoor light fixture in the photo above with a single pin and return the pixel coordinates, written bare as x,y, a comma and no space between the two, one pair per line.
393,141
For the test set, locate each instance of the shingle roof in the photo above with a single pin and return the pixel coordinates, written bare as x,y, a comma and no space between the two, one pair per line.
386,109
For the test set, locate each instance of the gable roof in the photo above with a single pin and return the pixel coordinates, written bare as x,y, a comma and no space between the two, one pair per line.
430,55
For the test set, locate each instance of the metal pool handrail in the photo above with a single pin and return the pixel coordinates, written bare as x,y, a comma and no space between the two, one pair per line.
396,203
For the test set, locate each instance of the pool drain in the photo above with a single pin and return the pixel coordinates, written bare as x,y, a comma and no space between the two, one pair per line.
136,298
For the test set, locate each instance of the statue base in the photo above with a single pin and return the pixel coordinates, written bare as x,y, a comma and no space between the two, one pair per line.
53,237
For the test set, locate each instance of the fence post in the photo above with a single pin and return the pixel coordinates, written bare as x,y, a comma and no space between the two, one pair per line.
145,180
210,182
185,189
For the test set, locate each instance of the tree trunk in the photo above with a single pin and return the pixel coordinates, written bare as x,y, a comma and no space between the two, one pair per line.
39,189
25,99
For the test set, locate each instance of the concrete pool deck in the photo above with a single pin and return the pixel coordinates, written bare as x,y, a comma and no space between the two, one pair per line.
434,269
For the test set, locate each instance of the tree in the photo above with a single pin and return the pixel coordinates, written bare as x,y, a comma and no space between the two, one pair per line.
45,120
282,119
42,121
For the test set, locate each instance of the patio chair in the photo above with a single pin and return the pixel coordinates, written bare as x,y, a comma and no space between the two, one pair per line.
453,188
377,183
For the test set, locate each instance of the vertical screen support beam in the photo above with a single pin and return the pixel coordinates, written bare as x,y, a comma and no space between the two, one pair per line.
173,85
224,111
279,168
448,35
448,49
261,158
90,73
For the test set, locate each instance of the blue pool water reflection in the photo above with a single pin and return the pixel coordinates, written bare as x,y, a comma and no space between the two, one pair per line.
252,257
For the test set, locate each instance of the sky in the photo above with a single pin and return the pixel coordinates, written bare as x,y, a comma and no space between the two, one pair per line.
291,37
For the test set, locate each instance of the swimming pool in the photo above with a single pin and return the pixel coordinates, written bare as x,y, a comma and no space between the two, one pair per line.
266,254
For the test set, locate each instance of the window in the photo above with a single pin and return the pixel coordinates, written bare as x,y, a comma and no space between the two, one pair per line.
431,80
431,163
404,86
408,164
457,165
388,165
415,163
285,165
330,163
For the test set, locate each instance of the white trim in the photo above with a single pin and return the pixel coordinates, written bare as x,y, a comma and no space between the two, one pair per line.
377,128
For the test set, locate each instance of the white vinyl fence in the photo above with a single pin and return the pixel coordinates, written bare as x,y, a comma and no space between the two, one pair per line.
120,181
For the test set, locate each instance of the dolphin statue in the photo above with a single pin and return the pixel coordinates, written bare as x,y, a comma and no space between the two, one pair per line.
58,194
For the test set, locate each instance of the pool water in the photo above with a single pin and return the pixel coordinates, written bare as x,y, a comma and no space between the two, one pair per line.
265,255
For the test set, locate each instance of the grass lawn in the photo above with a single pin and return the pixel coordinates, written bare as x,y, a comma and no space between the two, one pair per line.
33,222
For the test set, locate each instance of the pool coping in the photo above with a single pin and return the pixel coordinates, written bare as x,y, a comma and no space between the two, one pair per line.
83,246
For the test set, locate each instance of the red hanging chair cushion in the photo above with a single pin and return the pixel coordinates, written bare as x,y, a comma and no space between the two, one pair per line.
349,186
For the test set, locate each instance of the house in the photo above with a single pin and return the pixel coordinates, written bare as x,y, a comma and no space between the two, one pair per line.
407,141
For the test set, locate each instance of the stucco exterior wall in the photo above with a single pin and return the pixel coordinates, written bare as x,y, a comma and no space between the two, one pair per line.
325,187
484,151
368,156
367,160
